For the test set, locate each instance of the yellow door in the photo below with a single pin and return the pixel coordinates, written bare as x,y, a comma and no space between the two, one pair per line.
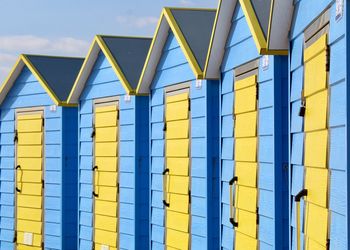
244,204
177,172
106,187
29,180
316,145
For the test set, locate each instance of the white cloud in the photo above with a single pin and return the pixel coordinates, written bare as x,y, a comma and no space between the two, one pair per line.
186,2
28,44
137,22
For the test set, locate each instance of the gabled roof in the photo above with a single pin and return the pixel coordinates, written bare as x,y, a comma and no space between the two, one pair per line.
192,29
268,20
55,74
126,56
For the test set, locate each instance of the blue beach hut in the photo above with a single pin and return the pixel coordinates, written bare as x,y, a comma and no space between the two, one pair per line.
184,151
39,155
253,71
113,146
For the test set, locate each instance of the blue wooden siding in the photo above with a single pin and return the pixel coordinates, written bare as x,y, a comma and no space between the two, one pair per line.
272,132
305,12
59,216
133,162
173,68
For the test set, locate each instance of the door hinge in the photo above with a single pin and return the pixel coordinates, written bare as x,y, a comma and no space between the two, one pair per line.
164,127
257,216
328,245
15,237
257,91
43,183
189,196
118,114
328,58
15,138
189,104
42,245
43,122
118,188
93,133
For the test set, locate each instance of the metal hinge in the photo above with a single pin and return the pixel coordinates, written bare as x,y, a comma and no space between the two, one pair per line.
15,138
164,127
328,58
43,183
15,237
93,132
257,216
189,196
43,122
118,188
257,91
189,104
42,245
118,114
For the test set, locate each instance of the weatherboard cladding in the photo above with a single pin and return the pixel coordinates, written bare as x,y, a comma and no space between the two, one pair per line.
272,181
172,69
60,164
130,54
133,161
305,13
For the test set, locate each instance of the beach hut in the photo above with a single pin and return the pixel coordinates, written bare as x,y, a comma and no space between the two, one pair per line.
113,146
252,67
38,149
319,116
184,124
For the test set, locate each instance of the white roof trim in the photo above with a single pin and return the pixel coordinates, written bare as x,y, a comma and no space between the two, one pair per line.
221,31
154,57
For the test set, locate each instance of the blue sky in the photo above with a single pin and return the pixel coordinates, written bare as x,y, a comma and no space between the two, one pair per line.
67,27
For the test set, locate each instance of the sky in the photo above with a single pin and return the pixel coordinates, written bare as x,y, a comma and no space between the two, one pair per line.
67,27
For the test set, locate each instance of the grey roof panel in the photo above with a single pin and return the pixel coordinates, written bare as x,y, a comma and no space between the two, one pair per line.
60,73
262,11
196,26
130,54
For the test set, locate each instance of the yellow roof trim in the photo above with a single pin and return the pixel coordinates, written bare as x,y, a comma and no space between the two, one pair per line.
41,79
183,44
253,23
81,71
270,24
149,53
129,90
212,39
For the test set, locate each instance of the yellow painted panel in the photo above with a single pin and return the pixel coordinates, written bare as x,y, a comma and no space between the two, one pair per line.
178,184
313,245
29,201
244,242
106,179
29,176
29,116
316,149
106,134
317,47
316,111
106,223
177,148
30,138
176,239
30,163
30,188
32,213
245,125
106,149
24,247
246,223
29,125
108,164
245,100
178,203
178,166
102,109
316,223
107,208
106,119
246,82
99,247
178,221
245,149
177,98
37,238
107,193
177,111
316,182
105,237
29,151
29,226
246,173
315,74
177,129
246,198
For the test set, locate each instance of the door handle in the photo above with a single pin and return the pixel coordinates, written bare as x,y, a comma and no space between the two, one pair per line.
165,183
232,183
297,199
95,171
18,167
